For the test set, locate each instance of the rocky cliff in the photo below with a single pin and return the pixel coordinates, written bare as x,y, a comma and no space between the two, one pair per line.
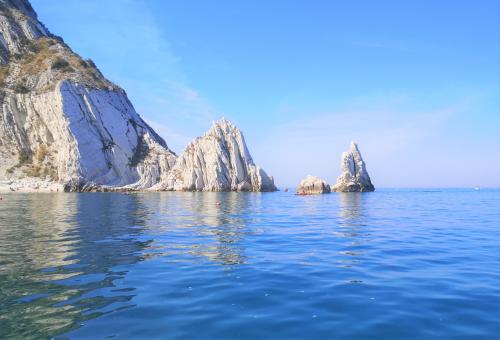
218,161
354,176
61,121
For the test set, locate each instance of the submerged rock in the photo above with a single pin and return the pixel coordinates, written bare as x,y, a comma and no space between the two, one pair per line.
62,121
218,161
353,177
312,185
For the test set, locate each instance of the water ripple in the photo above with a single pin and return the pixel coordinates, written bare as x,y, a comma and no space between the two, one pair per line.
389,264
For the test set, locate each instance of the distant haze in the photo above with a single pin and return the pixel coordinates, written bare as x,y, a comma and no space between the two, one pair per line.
415,84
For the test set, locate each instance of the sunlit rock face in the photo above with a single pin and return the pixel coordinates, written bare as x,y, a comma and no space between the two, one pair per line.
218,161
64,125
61,121
353,177
313,185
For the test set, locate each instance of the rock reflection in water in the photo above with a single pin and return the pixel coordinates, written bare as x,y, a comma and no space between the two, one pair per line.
351,220
57,255
192,225
351,209
177,265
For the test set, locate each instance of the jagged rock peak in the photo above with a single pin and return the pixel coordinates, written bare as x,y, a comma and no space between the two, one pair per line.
218,161
354,176
312,185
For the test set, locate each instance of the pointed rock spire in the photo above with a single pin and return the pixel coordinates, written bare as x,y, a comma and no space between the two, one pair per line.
353,177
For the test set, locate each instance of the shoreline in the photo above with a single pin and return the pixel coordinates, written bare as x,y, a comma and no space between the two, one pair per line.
29,186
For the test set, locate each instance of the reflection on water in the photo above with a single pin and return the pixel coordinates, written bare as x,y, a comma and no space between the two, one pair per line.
350,208
226,225
193,223
52,255
352,226
178,265
61,253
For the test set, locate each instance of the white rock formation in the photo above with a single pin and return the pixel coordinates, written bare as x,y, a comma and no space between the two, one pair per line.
218,161
64,126
312,185
353,177
61,121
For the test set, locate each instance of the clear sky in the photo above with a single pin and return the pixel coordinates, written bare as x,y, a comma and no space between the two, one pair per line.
415,83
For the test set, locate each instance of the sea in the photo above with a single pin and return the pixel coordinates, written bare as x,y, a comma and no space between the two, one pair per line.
391,264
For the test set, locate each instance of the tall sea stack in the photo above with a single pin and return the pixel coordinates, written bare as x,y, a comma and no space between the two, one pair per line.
353,177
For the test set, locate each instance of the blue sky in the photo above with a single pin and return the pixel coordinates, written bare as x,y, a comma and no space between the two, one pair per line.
415,83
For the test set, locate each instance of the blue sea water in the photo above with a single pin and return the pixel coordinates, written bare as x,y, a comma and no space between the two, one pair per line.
389,264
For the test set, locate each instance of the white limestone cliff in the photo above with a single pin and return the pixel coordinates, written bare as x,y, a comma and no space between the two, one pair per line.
312,185
218,161
61,121
353,177
64,126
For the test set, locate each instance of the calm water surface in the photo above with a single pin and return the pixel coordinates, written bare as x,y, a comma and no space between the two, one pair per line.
389,264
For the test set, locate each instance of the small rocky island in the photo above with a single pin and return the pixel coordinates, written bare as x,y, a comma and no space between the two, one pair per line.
353,177
313,185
